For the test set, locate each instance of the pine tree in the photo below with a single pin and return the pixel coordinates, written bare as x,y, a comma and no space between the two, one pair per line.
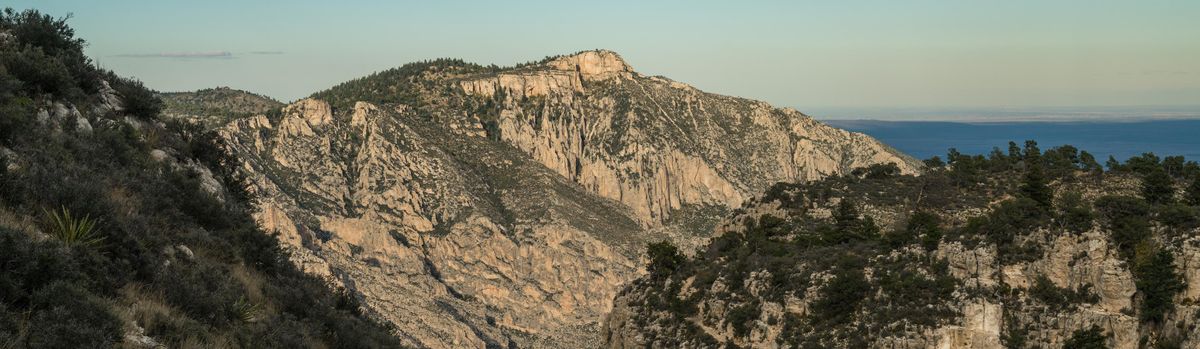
1113,164
1193,193
1156,279
1157,187
1091,338
1034,185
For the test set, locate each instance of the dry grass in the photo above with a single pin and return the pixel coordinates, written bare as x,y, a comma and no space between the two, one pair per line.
21,223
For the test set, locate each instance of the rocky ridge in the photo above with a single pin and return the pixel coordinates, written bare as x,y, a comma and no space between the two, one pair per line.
485,207
759,286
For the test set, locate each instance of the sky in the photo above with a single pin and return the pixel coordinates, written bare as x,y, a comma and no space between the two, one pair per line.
813,55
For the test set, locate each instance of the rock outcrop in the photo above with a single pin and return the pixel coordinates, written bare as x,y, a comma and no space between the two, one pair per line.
499,207
762,284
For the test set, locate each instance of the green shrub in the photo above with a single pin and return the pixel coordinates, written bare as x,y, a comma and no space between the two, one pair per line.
742,316
72,230
136,99
1156,279
877,171
202,290
841,297
1059,298
1128,221
1158,187
664,258
1180,217
30,266
850,225
70,317
1192,196
923,226
1075,215
1091,338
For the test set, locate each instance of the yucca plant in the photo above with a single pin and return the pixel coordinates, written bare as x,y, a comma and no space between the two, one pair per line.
71,230
246,310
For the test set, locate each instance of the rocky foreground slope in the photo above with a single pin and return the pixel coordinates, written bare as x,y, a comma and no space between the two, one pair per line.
1025,250
477,206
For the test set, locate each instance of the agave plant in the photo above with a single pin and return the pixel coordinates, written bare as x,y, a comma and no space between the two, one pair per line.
71,230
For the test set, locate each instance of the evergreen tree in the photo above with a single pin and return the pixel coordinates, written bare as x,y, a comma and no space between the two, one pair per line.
849,225
1034,185
1158,187
1091,338
1193,193
1113,164
664,258
1157,281
934,162
1088,163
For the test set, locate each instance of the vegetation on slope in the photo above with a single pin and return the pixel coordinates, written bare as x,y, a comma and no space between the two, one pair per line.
214,107
103,243
858,252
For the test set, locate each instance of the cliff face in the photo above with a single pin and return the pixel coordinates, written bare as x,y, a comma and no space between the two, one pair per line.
498,206
657,145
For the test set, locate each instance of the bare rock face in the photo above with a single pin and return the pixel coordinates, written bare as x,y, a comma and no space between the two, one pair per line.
592,64
501,207
658,146
384,209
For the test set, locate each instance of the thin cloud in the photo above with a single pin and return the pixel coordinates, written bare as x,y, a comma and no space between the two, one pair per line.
199,54
266,52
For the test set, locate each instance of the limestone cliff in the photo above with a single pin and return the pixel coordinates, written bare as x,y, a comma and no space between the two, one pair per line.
479,207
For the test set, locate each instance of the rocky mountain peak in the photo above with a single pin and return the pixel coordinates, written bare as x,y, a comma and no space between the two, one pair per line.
316,112
515,202
592,64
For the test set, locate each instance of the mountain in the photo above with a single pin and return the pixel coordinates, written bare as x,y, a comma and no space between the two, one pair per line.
482,206
1019,250
215,107
121,229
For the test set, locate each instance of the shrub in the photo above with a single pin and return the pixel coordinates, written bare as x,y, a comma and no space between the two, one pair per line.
29,266
1192,197
849,225
1059,298
1128,221
1158,282
741,317
664,258
69,317
1158,187
1180,217
1075,215
840,298
202,290
921,225
73,230
136,99
877,171
1091,338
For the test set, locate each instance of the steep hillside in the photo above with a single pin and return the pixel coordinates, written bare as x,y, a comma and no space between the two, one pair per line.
656,145
482,206
1017,250
120,230
215,107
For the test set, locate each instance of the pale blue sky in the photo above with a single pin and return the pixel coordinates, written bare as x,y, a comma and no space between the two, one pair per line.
810,55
